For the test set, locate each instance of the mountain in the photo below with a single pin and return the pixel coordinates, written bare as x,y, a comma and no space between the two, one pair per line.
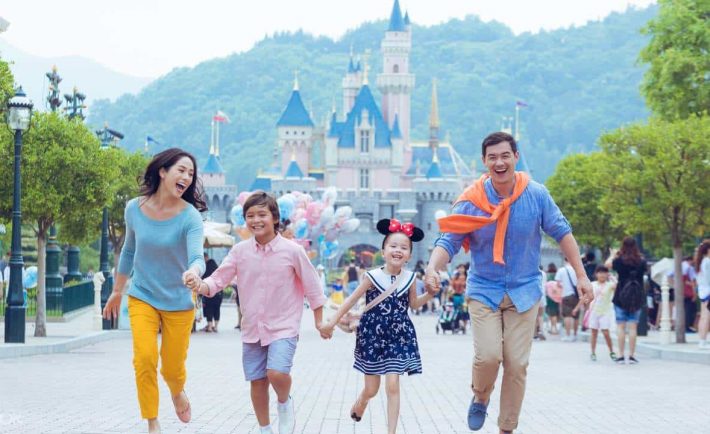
91,78
577,82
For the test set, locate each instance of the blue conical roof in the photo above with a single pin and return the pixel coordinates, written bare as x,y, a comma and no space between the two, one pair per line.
295,114
396,21
293,171
406,19
434,170
365,102
213,166
351,66
396,133
522,165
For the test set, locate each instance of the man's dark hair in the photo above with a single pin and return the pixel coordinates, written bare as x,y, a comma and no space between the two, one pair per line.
499,137
590,256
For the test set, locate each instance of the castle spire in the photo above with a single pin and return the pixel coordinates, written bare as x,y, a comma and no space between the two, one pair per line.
295,79
396,20
434,113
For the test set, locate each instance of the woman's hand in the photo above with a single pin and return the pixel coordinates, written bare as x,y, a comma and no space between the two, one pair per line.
191,280
113,304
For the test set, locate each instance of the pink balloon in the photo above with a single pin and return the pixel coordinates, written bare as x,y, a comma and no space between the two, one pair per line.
243,196
313,211
298,214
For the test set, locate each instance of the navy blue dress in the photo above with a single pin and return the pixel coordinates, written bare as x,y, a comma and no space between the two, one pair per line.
386,341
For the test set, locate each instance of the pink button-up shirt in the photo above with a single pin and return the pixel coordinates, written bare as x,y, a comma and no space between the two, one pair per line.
272,281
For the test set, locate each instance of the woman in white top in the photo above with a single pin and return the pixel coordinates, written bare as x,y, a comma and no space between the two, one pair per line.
702,267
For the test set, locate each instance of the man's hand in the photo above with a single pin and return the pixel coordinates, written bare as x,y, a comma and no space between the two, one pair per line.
432,281
586,293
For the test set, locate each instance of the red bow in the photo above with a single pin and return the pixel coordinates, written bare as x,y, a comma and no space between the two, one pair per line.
407,228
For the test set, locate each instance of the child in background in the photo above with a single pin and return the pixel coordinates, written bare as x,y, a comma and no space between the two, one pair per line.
336,296
273,275
386,342
601,310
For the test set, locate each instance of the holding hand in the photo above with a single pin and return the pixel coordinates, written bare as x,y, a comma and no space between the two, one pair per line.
191,280
586,292
326,330
432,281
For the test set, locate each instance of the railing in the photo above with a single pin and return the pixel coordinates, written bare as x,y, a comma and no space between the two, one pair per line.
59,300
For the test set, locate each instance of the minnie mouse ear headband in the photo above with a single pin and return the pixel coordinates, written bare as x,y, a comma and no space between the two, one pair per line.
387,226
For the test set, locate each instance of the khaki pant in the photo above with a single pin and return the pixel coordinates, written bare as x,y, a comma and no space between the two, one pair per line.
175,328
504,335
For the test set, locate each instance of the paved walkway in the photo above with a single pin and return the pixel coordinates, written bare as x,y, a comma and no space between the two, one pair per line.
91,390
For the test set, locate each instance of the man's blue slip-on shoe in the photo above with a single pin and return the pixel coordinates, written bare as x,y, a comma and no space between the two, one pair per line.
476,415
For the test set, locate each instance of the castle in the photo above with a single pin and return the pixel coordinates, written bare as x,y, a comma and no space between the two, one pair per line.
366,153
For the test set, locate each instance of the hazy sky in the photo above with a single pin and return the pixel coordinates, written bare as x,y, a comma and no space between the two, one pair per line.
150,37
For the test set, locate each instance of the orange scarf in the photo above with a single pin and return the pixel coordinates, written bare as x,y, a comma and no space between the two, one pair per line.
476,194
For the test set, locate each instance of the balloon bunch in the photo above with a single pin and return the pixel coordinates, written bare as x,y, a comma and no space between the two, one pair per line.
307,219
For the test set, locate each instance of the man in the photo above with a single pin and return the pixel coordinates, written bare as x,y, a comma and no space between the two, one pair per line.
353,278
499,218
569,306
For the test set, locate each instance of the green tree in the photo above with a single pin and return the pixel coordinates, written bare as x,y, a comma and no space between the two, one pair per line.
66,179
659,184
578,186
127,187
676,85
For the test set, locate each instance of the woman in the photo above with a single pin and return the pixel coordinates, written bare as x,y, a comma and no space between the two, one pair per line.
702,268
553,298
163,249
629,296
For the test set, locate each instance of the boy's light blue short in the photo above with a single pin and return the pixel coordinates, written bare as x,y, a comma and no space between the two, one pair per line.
277,356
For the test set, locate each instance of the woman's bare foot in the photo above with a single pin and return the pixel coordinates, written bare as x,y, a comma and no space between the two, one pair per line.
153,426
182,407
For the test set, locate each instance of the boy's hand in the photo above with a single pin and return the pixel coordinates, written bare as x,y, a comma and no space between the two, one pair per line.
326,330
432,290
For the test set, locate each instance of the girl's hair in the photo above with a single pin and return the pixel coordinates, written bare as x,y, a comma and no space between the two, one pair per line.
261,198
150,180
601,269
551,267
700,253
629,252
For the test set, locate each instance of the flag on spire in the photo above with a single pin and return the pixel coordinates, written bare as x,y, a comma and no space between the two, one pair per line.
521,103
221,116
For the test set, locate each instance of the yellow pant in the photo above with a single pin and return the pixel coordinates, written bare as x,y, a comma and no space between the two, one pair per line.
175,329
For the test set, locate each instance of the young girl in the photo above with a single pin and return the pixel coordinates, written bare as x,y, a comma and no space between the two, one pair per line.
601,310
273,275
386,340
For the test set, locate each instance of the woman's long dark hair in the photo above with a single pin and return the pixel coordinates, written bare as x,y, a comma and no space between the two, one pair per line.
629,252
150,180
701,253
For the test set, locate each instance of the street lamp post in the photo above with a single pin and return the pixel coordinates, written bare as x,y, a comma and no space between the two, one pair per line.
19,114
107,137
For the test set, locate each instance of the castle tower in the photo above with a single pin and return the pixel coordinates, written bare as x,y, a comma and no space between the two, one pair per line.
295,133
213,174
434,122
395,82
351,84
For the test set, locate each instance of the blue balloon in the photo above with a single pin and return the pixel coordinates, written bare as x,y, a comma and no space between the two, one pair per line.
29,277
286,206
301,230
236,215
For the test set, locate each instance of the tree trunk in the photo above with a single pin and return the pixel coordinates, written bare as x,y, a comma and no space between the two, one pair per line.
679,299
41,319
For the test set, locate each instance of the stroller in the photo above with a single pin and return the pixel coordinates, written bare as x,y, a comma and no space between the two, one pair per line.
450,319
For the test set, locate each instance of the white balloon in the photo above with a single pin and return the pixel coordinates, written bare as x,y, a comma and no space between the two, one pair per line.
343,212
327,215
329,196
439,214
350,225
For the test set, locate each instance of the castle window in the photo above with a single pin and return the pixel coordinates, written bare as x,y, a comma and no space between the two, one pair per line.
365,178
395,68
365,141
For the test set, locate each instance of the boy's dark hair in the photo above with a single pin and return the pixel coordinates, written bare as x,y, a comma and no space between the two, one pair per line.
499,137
261,198
601,269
